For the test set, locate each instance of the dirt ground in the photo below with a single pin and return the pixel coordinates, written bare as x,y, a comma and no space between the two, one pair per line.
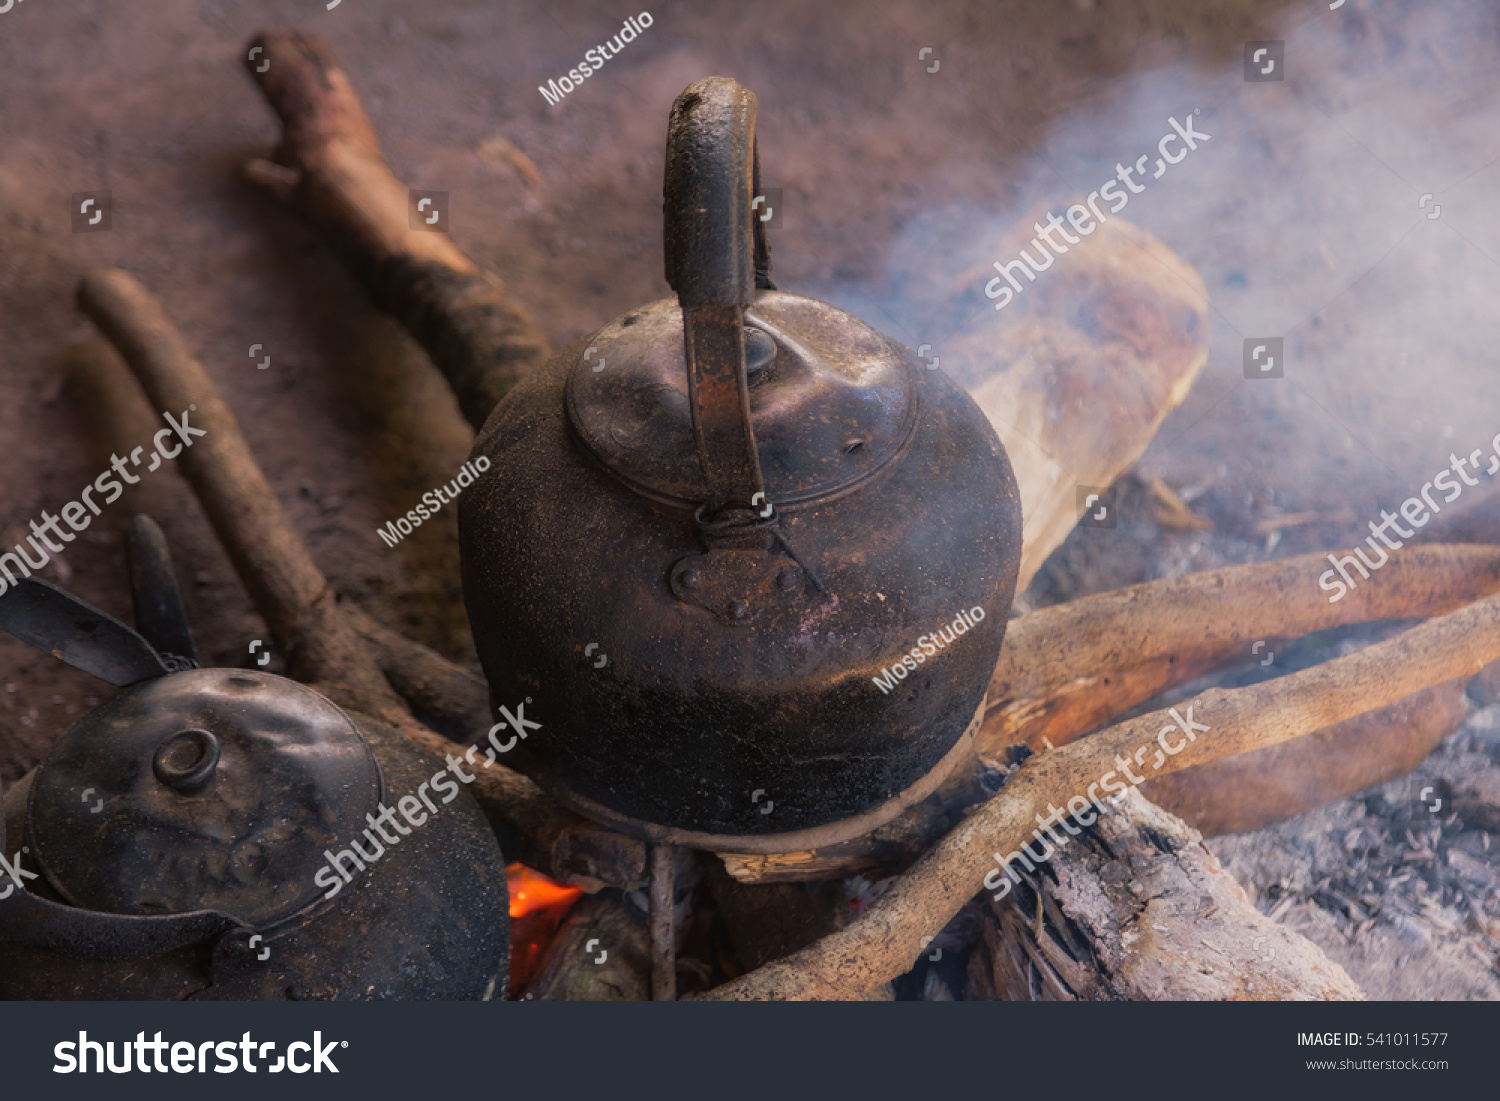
1308,213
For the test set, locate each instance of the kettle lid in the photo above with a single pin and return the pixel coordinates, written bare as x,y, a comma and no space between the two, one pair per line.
831,400
736,394
210,789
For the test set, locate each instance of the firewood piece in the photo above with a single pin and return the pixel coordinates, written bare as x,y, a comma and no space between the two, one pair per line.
1067,668
1078,373
285,584
601,953
1270,785
333,174
1136,908
882,943
314,633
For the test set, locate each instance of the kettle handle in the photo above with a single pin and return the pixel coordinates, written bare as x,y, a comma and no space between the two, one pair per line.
714,247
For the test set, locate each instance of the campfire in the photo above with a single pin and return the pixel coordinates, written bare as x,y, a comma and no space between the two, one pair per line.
1058,851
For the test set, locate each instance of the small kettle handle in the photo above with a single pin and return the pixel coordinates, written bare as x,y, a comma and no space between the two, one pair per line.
714,247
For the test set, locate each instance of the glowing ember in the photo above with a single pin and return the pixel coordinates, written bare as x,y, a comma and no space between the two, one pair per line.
532,891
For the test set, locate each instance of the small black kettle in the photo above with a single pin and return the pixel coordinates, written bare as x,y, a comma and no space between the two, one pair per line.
230,834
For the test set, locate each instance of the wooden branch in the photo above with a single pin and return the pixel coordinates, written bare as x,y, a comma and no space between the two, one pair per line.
285,584
883,942
1270,785
663,900
333,174
1137,909
314,633
1066,669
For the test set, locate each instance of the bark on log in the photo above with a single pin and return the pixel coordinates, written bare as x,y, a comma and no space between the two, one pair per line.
1136,908
332,173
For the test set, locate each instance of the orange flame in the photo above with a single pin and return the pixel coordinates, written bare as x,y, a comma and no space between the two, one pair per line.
532,891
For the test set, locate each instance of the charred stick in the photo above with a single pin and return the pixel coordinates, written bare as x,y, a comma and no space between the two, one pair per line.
332,173
883,942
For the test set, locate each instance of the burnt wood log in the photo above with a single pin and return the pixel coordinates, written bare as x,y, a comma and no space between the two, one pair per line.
1136,908
1081,369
